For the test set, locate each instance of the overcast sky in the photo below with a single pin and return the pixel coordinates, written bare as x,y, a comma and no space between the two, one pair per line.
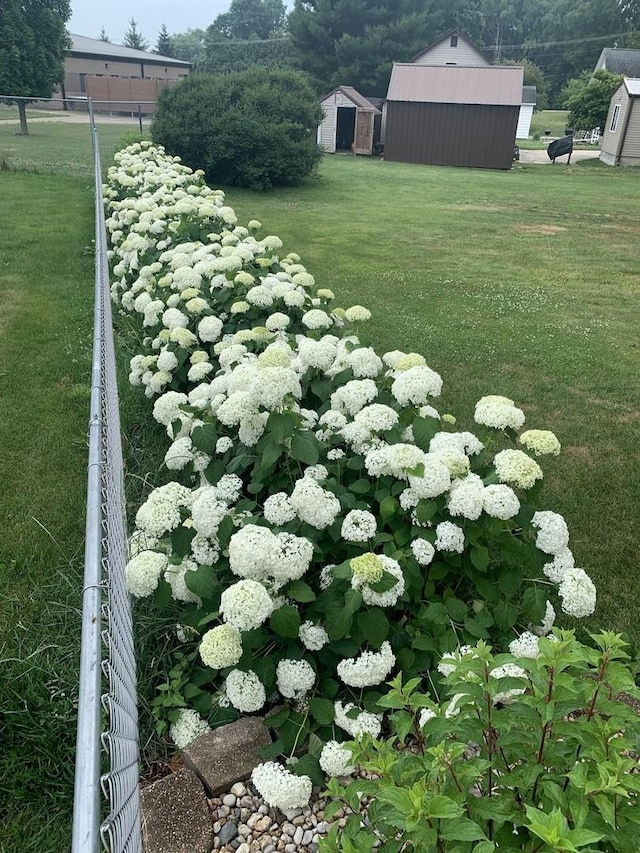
89,16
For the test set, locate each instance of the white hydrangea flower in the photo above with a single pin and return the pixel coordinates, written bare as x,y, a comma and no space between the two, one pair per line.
335,759
245,691
394,460
187,728
362,580
359,526
357,725
316,472
500,501
553,533
548,621
209,329
312,637
255,552
295,678
142,573
316,318
445,668
179,454
466,497
335,453
208,511
541,442
175,576
160,513
167,360
245,605
277,322
353,396
278,509
413,386
449,537
173,318
280,788
525,646
517,469
313,504
204,550
578,593
229,488
423,551
498,412
357,314
364,361
508,670
223,444
558,567
368,669
221,647
435,480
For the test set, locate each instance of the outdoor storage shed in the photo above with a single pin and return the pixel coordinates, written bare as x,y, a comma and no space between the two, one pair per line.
453,116
348,121
526,112
621,139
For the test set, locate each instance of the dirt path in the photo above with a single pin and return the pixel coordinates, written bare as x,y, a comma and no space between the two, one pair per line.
541,156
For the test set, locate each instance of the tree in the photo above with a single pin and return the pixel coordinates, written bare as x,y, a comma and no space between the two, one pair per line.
588,97
103,35
533,76
132,38
254,129
33,41
189,46
249,19
164,45
222,57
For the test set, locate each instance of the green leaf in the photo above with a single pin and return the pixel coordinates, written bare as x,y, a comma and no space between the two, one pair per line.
386,582
444,807
281,425
425,510
285,621
360,487
309,766
305,447
300,591
204,438
339,614
163,595
479,557
456,609
423,431
201,582
510,581
181,541
374,625
322,711
398,797
388,507
463,829
271,452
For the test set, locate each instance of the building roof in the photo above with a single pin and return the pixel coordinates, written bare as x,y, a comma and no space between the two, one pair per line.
632,85
355,97
460,35
84,46
495,85
620,60
529,95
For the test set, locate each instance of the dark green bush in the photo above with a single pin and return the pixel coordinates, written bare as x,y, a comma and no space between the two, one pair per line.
255,129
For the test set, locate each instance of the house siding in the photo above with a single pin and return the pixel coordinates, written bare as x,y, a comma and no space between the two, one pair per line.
451,134
443,54
327,128
524,121
612,141
630,154
383,124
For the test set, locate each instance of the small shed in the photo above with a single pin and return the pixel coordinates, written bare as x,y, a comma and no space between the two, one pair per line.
526,112
453,115
348,122
621,138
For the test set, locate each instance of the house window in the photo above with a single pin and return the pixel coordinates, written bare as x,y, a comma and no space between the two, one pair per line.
614,118
454,41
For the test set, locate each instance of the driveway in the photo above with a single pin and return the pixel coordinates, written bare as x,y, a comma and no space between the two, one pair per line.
541,156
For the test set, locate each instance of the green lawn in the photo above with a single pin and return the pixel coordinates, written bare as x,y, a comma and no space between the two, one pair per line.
522,283
553,120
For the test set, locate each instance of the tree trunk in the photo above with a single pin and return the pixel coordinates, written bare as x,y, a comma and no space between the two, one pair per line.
22,112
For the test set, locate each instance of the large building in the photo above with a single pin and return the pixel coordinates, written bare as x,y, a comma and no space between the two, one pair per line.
112,73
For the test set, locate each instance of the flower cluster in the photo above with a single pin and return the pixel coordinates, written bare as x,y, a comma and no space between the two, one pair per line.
315,493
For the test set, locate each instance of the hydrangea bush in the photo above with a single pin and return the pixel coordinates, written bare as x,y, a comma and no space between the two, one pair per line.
323,525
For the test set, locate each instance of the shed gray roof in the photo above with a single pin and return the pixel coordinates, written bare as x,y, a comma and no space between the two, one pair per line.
495,85
529,95
84,46
355,97
620,61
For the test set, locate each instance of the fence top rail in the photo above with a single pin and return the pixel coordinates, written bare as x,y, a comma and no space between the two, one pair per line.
11,99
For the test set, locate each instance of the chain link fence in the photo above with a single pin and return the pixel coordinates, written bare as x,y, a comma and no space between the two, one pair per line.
107,654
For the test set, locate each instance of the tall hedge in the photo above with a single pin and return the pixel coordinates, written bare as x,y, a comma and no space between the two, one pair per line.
255,128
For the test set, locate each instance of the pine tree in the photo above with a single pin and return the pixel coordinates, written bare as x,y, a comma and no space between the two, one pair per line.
103,35
164,45
132,38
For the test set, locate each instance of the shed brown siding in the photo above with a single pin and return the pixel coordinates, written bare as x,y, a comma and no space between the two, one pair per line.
477,135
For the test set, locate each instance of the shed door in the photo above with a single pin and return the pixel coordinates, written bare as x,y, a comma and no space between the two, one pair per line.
363,142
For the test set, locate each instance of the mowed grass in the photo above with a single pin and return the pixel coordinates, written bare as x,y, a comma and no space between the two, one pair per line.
553,120
46,289
523,283
59,147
